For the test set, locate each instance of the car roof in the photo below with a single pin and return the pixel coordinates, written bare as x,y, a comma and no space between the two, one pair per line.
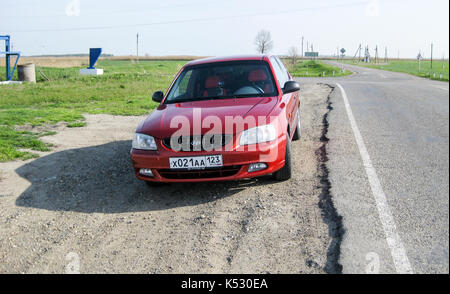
227,58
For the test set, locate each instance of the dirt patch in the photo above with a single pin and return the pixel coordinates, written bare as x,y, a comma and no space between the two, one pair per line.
42,128
83,198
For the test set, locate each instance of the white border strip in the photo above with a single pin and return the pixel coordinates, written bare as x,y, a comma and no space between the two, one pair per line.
398,252
439,87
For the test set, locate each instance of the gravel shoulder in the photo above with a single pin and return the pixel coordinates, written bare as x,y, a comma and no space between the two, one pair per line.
83,197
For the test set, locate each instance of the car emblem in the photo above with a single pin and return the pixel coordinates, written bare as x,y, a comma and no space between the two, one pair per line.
196,143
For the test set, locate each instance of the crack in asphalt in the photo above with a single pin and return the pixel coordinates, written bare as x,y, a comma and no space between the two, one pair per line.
329,213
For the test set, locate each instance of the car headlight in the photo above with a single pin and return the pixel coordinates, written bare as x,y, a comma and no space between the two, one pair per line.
144,142
259,134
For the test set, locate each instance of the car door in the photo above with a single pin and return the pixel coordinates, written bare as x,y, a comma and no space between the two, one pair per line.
290,99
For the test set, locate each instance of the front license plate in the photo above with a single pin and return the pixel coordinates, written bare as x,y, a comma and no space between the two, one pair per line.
197,162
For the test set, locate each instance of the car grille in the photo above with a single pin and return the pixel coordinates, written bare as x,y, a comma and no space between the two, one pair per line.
226,171
196,142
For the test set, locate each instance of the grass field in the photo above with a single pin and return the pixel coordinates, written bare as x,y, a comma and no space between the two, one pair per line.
412,67
315,68
62,95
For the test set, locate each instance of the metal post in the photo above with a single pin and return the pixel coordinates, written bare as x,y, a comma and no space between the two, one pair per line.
8,59
9,69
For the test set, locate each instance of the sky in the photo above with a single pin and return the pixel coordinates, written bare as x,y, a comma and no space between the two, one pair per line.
225,27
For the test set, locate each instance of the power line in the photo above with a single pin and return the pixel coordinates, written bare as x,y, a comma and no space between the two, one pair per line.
187,20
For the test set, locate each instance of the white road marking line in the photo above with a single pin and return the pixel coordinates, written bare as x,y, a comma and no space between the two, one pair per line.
382,75
398,252
442,88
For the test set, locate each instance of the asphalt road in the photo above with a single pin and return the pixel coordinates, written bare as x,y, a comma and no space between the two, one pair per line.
391,183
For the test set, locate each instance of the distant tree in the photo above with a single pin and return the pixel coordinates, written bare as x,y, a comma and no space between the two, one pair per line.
263,42
293,54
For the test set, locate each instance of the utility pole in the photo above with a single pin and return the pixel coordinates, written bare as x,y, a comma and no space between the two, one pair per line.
302,48
137,46
385,55
366,55
359,60
376,54
431,55
443,60
357,50
419,58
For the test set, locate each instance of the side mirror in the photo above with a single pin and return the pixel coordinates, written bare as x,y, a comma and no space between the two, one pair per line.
158,96
291,86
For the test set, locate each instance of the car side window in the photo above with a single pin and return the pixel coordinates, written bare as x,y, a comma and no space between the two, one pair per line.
184,83
281,77
181,86
283,68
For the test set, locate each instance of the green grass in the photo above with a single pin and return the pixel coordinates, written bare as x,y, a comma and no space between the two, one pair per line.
12,140
315,68
62,95
77,124
412,67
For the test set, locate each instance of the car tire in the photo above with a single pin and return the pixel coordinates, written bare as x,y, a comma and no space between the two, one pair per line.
298,130
285,173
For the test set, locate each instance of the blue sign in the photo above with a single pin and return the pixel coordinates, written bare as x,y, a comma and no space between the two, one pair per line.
94,54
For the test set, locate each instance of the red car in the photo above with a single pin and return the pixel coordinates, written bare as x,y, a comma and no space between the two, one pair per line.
221,119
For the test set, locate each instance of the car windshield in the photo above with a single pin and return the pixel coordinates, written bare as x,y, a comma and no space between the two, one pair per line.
233,79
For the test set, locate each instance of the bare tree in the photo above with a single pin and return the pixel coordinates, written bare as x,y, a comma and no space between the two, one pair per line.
263,42
293,54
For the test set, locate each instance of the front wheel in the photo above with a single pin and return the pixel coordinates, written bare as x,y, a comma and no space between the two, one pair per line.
285,173
298,129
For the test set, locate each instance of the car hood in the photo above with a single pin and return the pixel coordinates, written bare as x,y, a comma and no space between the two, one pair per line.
157,124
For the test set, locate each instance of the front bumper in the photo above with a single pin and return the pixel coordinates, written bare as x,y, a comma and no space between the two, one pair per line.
235,163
